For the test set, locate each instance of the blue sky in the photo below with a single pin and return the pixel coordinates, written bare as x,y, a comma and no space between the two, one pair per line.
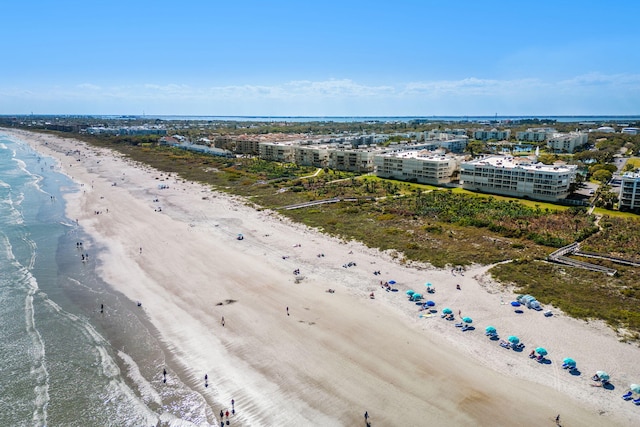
310,58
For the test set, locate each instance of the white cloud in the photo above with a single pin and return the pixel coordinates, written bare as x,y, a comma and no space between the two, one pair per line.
590,93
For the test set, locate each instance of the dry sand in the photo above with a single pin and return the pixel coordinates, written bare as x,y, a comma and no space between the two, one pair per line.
337,355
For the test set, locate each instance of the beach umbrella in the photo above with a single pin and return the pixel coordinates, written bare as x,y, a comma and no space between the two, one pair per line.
513,339
515,304
417,296
447,310
490,329
635,388
467,320
391,282
410,292
428,284
541,351
569,361
603,375
430,303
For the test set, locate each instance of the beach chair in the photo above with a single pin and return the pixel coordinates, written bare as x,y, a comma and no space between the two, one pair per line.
627,396
459,325
636,401
504,344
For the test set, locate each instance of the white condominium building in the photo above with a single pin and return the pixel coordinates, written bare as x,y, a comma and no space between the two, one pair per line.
567,142
630,192
425,167
517,177
535,135
493,134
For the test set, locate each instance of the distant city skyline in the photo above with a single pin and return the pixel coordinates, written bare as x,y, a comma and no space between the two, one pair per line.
348,58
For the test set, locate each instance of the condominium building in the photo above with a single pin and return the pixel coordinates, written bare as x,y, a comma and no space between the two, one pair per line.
535,135
311,155
277,152
517,177
567,142
630,192
493,134
423,166
352,160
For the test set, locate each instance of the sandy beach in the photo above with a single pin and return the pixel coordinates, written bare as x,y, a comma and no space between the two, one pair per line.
290,353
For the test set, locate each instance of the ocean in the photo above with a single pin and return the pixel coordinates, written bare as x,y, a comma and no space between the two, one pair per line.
64,360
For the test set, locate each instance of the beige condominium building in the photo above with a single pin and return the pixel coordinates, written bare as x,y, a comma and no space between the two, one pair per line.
517,177
423,166
277,152
630,192
352,160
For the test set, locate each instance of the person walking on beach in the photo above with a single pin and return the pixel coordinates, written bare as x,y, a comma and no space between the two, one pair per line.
558,420
101,308
222,321
287,311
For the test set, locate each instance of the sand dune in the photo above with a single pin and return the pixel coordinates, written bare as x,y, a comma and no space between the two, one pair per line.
336,354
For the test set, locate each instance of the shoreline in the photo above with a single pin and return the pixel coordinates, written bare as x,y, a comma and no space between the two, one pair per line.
336,355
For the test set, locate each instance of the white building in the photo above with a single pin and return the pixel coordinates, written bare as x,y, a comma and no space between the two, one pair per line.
604,129
567,142
425,167
493,134
535,135
517,177
630,191
630,131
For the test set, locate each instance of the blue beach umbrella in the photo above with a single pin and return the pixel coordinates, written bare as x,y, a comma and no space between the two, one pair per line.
490,329
416,296
410,292
635,388
515,304
603,375
430,303
513,339
447,310
428,284
467,320
391,282
569,361
541,351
